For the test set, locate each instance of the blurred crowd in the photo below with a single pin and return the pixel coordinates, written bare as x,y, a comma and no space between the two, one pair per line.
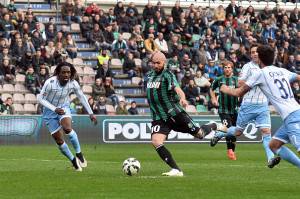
196,40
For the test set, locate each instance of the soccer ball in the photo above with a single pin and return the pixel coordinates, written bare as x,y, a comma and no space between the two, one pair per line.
131,166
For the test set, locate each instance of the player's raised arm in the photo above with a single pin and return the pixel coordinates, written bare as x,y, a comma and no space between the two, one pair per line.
43,95
84,101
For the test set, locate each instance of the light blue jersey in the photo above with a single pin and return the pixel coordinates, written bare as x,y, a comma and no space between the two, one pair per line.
53,96
274,83
254,107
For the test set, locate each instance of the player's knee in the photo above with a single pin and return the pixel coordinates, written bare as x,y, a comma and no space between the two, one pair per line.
67,130
59,141
156,142
274,145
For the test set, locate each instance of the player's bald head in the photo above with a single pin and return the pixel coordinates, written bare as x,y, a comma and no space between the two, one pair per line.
158,56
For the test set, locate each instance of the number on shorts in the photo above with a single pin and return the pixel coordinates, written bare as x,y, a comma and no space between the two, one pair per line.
225,123
155,129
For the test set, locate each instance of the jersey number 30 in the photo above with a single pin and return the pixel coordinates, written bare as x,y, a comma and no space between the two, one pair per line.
283,86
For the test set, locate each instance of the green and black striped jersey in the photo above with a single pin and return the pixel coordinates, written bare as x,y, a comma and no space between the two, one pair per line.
227,104
161,95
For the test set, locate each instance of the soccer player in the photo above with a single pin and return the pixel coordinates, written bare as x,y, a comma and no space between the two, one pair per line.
275,84
227,104
255,108
57,115
165,98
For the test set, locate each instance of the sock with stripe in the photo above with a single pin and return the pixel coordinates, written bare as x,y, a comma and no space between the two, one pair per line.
266,140
64,149
288,155
74,140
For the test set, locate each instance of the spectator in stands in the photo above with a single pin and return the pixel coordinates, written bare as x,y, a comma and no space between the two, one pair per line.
42,76
25,62
148,11
296,91
104,71
31,81
176,12
37,60
119,48
150,45
103,56
174,66
118,9
11,6
185,63
232,8
98,89
186,79
219,15
5,54
192,93
110,91
121,108
93,105
140,46
132,19
92,9
212,70
76,107
161,43
160,9
100,108
6,26
50,33
133,109
59,37
131,7
49,53
7,107
70,46
96,37
108,35
129,66
60,54
123,22
67,11
133,47
85,27
79,10
37,40
18,50
202,82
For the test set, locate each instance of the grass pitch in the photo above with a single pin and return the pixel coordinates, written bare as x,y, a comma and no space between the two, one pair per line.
40,171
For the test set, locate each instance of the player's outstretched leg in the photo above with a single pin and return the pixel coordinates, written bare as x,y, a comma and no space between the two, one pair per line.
221,129
208,128
76,145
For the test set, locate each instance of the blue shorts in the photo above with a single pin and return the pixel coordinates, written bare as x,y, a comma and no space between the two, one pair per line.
289,132
258,114
52,119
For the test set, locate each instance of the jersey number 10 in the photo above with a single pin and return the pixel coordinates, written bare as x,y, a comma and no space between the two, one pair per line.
283,86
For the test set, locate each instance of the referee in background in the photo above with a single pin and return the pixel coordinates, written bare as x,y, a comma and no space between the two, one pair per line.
227,105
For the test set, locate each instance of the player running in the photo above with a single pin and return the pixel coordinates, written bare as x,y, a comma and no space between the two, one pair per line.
165,98
57,115
255,108
275,84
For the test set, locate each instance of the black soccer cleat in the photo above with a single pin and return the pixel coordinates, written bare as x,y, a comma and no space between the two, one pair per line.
214,141
208,128
76,165
273,162
82,160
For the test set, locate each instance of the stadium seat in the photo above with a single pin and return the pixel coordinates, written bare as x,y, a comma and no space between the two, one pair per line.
191,109
88,71
20,78
8,88
30,98
29,109
138,62
75,27
201,109
79,70
19,109
116,62
110,109
18,98
77,61
88,80
136,80
4,96
20,88
87,89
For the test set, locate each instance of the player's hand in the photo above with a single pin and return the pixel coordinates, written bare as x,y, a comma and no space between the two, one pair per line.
93,119
224,88
183,102
60,111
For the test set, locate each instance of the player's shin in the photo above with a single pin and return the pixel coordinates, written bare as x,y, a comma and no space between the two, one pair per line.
166,156
266,142
74,140
64,149
286,154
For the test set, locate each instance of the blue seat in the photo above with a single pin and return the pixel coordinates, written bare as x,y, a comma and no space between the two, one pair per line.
90,63
142,110
138,100
83,45
24,6
121,82
87,54
128,91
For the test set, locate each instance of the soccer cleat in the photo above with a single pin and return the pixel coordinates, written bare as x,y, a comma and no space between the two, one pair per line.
214,141
76,165
273,162
82,160
231,154
208,128
173,172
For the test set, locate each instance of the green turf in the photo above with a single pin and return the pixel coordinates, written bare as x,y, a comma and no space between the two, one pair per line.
41,172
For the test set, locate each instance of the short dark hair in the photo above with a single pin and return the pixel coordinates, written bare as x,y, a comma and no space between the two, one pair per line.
266,54
72,68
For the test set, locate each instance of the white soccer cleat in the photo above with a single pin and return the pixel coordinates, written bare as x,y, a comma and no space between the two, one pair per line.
173,172
76,164
82,160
